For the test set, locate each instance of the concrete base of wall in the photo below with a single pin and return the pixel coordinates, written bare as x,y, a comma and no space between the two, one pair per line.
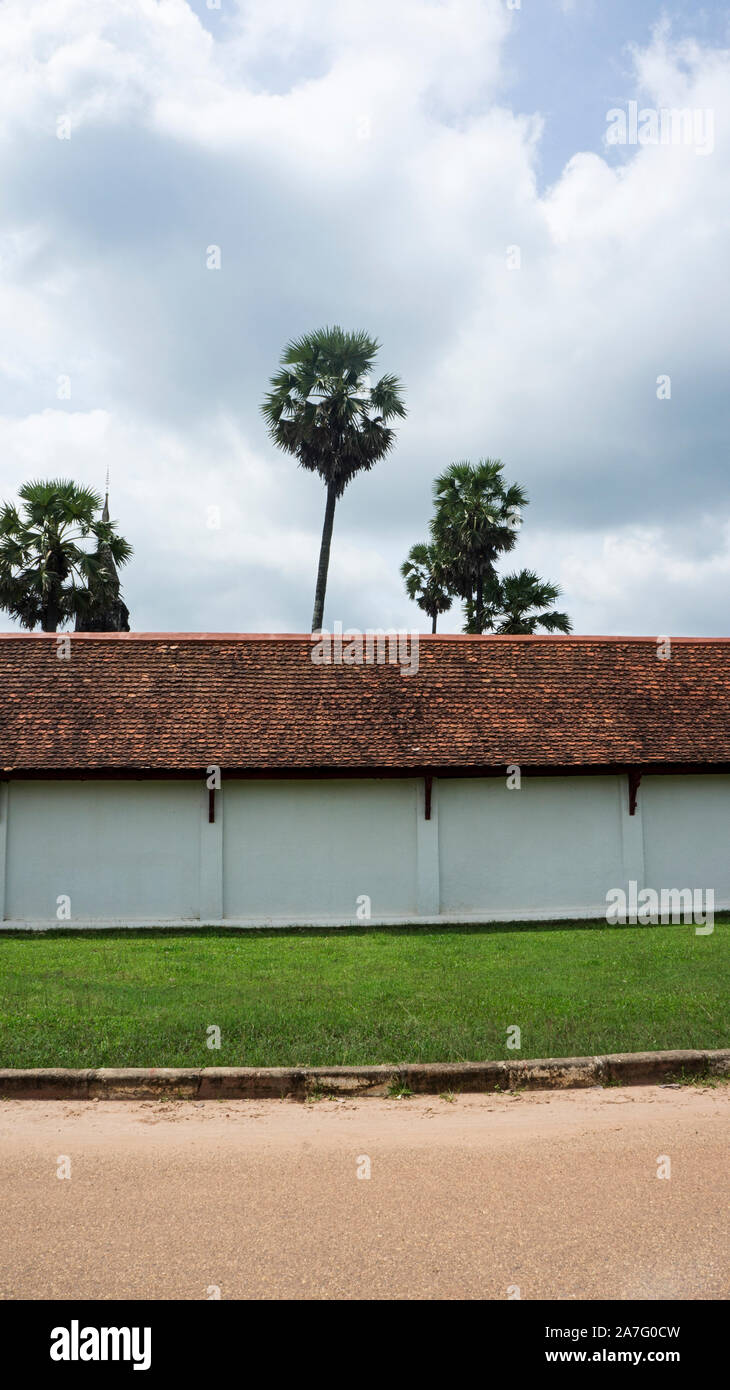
592,913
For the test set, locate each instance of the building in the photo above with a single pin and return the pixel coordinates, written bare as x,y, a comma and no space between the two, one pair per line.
110,613
206,778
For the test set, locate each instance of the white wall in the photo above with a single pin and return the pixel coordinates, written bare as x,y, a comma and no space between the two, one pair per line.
553,843
304,851
313,847
687,832
118,849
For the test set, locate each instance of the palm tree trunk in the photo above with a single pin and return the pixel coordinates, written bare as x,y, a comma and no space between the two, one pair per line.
479,614
324,559
433,623
51,613
56,571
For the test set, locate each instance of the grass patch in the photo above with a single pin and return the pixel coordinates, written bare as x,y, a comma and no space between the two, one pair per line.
398,1089
352,997
705,1080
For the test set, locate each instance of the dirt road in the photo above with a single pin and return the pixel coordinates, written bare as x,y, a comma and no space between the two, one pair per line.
556,1195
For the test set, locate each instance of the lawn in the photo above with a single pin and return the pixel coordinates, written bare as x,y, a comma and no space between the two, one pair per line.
391,995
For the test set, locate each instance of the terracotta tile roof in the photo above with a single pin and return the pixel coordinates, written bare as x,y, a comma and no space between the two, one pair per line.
176,702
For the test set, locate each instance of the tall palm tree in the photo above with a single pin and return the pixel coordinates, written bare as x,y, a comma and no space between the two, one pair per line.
427,581
475,520
46,576
520,603
322,409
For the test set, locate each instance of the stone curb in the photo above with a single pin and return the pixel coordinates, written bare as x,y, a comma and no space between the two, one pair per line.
298,1083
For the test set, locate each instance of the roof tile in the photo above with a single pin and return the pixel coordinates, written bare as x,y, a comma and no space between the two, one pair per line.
177,702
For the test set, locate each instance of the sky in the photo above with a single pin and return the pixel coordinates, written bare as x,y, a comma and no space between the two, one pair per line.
443,174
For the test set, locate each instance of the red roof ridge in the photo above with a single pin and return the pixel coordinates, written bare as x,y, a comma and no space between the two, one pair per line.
502,638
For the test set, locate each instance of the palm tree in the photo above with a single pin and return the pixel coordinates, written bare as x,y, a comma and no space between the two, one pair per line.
519,604
322,409
426,581
476,519
46,576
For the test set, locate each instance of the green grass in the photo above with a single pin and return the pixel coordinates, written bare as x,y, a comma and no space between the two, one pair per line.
392,995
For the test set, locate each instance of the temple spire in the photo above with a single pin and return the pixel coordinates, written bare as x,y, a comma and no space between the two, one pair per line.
110,612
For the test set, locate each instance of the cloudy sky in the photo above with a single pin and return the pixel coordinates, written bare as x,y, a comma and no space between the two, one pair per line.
370,163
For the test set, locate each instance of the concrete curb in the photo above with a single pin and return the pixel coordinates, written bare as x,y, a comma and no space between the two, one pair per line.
425,1078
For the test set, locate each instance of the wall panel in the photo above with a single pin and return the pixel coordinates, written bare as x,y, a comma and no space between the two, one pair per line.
118,849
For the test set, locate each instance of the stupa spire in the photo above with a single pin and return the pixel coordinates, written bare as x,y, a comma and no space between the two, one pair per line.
110,612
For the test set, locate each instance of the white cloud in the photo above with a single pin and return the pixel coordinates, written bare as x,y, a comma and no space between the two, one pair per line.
356,162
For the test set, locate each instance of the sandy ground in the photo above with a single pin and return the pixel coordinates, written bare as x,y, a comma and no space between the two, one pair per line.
555,1193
